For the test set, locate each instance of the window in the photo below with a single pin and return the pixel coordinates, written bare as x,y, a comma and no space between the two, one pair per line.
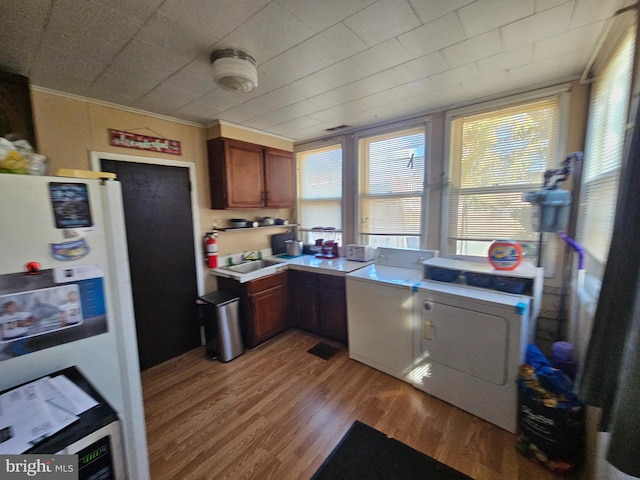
391,182
608,114
320,190
496,156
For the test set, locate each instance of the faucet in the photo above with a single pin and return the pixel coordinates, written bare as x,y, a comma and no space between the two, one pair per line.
246,256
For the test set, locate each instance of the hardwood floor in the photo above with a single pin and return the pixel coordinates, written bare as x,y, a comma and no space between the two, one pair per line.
276,412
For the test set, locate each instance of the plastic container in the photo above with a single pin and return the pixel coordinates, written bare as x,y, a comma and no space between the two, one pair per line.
479,279
505,254
442,274
511,284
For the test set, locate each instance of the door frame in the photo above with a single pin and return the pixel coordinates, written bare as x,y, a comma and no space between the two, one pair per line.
95,157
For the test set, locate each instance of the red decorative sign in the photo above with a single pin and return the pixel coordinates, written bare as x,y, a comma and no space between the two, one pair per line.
119,138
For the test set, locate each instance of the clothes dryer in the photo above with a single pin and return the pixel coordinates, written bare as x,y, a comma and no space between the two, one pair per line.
468,346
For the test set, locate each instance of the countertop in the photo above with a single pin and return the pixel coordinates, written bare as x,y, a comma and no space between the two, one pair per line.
338,266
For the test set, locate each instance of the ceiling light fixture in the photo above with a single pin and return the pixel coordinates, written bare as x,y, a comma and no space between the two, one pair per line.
234,70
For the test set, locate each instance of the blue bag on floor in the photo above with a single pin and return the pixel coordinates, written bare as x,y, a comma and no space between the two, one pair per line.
550,414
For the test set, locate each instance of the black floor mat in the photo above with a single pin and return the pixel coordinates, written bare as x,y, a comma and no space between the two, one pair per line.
323,350
366,453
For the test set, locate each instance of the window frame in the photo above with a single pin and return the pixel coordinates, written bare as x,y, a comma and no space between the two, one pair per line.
595,267
562,91
422,123
305,233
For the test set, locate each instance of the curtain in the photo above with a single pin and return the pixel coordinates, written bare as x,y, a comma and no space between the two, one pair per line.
611,376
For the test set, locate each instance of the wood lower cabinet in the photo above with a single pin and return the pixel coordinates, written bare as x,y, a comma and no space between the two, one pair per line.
318,304
263,306
246,175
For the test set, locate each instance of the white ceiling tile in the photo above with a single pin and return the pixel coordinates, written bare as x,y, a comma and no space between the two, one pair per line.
542,5
22,24
574,62
319,102
62,80
139,10
138,64
113,95
320,15
331,116
536,27
476,48
592,11
398,17
281,115
90,19
433,36
487,85
33,12
197,112
220,100
214,19
413,89
332,45
342,73
83,59
584,37
288,67
164,99
196,84
431,10
423,66
455,75
294,124
485,15
19,46
268,33
371,102
164,32
247,110
367,86
449,95
506,60
309,86
536,72
381,57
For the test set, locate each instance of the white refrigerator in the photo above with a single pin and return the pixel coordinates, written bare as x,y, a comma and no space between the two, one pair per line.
65,294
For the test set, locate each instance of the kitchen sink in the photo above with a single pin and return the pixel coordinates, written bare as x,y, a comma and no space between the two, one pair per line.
248,267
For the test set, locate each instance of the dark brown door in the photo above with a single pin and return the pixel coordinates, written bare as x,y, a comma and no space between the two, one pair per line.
158,217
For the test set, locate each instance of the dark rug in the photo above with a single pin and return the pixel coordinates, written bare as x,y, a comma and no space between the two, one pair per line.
323,350
364,453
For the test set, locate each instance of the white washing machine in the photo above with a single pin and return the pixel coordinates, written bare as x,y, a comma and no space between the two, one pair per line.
468,346
380,310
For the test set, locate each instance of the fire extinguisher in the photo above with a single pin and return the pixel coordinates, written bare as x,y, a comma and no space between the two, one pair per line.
211,247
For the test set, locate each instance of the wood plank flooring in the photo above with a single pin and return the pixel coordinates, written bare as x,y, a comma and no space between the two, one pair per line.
276,412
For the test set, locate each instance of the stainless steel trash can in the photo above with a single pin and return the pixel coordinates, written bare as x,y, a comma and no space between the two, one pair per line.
221,322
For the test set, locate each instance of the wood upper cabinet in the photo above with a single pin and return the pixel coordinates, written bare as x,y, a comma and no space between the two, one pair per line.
246,175
280,178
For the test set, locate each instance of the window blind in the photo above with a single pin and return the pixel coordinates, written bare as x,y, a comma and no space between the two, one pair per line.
320,187
391,185
608,114
495,157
